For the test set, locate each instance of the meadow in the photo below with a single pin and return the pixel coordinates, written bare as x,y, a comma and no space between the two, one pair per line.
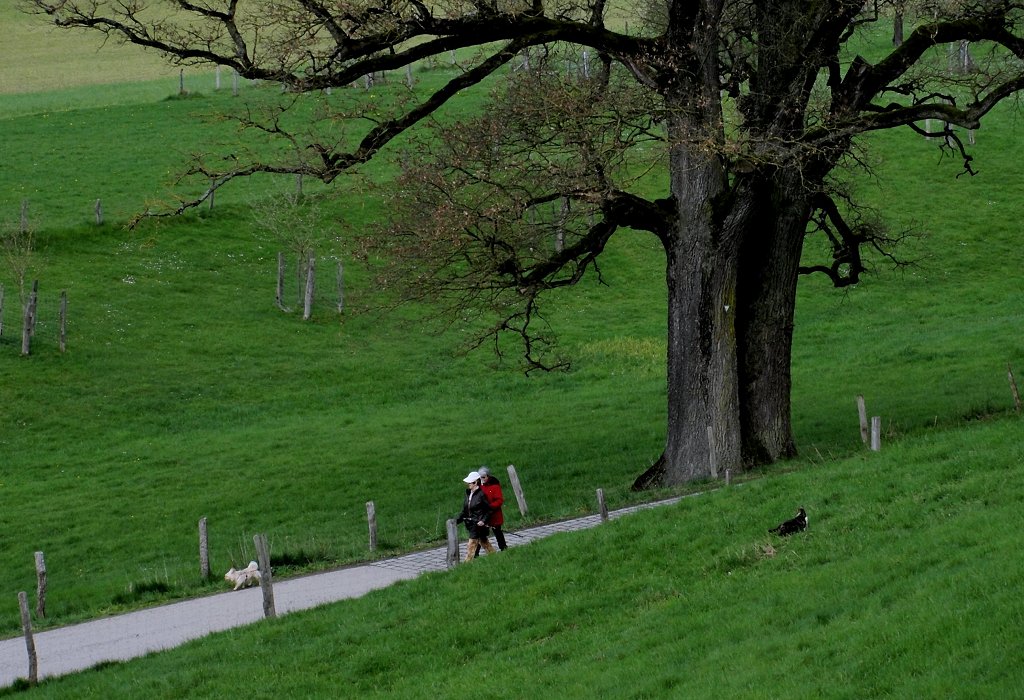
185,393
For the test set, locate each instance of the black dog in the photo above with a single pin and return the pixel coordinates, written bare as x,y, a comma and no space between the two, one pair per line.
792,525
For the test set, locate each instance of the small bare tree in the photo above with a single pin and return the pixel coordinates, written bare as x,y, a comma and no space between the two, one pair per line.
298,225
17,242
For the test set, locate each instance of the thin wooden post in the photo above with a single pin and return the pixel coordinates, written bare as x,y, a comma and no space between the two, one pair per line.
862,412
1013,388
1,310
279,296
728,477
371,519
26,626
216,78
513,478
26,324
234,82
98,210
341,286
181,81
307,307
204,550
298,184
602,507
62,337
876,433
213,192
40,585
408,75
266,584
452,555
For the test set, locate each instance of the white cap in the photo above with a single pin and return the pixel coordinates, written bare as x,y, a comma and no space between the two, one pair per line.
472,477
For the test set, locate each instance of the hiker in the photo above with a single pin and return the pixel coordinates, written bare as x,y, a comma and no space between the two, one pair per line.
491,487
475,511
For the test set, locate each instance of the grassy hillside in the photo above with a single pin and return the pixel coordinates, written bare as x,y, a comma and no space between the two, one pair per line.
38,58
904,585
185,393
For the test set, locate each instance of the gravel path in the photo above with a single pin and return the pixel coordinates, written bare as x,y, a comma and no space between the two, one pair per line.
78,647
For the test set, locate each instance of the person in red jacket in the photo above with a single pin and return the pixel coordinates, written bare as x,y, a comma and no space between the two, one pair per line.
491,487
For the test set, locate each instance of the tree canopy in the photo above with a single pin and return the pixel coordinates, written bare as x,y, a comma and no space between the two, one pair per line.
749,106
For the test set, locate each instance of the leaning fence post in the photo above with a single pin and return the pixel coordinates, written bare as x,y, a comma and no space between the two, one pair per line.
452,556
601,506
876,433
204,550
26,626
862,413
518,489
266,584
40,585
371,519
1013,388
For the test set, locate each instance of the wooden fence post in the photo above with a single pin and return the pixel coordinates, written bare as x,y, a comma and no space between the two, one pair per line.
98,210
1013,388
266,584
862,413
204,550
26,626
601,506
728,477
307,307
279,296
28,322
234,82
452,555
341,286
62,337
371,519
876,433
40,585
1,310
518,489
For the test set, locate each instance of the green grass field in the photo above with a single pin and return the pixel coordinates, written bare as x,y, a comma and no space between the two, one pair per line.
185,393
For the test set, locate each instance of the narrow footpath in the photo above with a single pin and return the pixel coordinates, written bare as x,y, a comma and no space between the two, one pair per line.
121,637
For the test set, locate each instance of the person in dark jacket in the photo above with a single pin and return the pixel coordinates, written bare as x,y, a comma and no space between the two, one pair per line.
491,487
475,511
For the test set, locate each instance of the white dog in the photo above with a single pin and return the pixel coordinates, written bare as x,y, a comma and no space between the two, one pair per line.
243,577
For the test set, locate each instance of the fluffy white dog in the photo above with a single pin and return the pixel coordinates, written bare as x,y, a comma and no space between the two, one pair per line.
243,577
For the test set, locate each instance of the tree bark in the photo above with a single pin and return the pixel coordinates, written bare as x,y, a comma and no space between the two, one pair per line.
766,303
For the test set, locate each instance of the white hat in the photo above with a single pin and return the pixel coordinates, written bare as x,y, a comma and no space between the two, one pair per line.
472,477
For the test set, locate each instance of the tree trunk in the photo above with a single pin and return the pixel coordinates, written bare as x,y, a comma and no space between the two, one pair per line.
766,302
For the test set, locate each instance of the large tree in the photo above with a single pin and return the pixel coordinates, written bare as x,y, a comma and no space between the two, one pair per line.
756,103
